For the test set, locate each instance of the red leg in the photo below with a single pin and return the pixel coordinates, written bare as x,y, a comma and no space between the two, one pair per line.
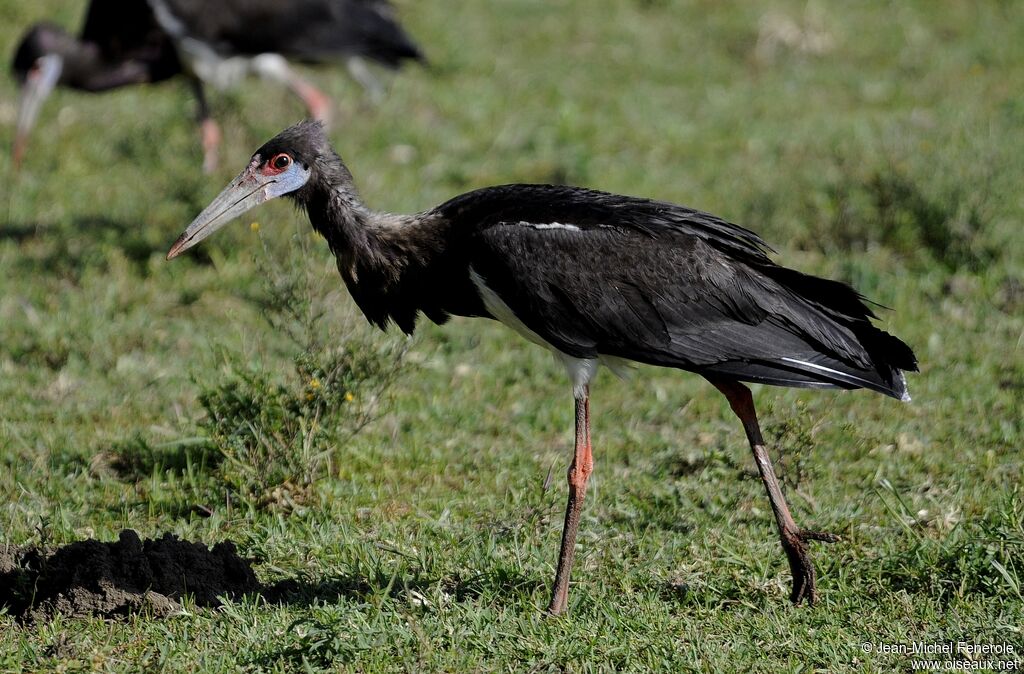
794,539
579,471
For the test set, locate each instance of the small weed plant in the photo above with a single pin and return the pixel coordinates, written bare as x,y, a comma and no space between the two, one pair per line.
279,435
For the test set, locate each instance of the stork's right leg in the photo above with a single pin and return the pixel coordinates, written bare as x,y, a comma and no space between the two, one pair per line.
579,471
794,539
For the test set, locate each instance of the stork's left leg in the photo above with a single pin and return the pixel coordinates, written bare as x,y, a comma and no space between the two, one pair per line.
579,471
794,539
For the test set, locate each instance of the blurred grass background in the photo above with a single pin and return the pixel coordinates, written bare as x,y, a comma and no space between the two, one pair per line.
874,142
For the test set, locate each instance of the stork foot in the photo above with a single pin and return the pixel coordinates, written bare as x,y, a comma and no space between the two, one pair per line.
794,543
557,605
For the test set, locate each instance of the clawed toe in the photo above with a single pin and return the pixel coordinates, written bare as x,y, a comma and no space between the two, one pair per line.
794,543
822,536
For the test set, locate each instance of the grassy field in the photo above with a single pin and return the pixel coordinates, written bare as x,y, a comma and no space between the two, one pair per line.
396,494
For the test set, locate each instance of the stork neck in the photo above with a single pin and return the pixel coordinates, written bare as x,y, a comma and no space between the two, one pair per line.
370,246
341,217
336,211
365,239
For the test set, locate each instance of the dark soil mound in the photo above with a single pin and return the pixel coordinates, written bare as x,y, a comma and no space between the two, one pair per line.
91,578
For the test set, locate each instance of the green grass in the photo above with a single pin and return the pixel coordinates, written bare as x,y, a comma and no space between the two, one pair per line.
881,146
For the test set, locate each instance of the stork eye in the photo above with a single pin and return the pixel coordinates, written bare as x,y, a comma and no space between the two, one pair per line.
280,161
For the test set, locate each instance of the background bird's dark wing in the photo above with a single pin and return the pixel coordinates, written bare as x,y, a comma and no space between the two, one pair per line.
310,30
674,300
126,30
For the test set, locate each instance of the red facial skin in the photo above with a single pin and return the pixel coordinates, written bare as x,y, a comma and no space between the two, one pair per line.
277,164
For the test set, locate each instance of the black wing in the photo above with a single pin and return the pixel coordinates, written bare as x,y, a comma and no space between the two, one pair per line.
587,208
126,31
660,284
311,30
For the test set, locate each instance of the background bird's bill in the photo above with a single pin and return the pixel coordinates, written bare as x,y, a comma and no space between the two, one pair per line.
249,189
41,80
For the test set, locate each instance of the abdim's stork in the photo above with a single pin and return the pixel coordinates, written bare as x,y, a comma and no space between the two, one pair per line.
138,41
594,277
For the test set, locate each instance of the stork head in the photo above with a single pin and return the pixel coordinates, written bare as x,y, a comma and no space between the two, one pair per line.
289,164
38,66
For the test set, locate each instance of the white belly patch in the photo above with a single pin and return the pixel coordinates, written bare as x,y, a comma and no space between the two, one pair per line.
580,370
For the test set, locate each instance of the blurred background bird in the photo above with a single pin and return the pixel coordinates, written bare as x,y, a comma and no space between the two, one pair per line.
126,42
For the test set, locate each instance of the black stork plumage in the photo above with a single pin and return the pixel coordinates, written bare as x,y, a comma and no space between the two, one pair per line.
596,278
127,42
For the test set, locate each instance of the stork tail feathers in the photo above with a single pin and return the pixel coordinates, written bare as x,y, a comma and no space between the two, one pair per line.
844,348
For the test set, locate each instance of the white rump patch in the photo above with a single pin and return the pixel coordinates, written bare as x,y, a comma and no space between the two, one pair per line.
272,67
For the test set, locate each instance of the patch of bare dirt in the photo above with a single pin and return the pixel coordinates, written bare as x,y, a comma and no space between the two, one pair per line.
92,578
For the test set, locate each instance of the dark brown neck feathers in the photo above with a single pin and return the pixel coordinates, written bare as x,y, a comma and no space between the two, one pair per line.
387,261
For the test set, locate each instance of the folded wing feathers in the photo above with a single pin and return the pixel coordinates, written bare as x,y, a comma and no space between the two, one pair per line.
693,290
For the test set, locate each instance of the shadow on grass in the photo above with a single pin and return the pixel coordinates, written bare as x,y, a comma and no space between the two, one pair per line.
418,590
20,232
136,458
721,593
325,639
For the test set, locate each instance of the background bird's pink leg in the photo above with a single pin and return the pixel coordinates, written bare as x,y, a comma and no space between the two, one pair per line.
579,471
794,539
317,102
275,68
210,132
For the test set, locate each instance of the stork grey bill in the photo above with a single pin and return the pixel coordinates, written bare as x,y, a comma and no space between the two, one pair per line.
41,80
247,191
